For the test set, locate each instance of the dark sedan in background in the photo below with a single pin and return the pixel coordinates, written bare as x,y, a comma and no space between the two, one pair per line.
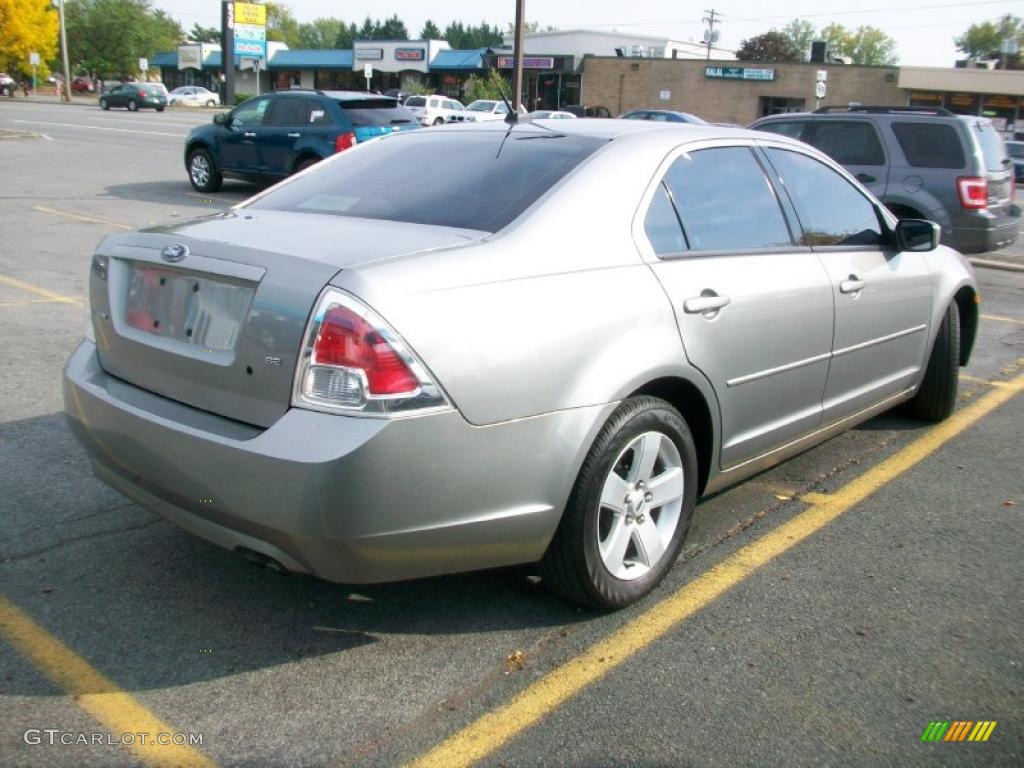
135,96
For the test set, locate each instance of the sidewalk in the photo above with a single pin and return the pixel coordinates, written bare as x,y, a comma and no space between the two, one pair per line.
86,100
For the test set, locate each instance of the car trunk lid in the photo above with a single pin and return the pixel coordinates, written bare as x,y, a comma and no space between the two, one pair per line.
211,313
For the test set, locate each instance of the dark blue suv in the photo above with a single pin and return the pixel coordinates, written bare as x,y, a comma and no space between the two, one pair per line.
269,137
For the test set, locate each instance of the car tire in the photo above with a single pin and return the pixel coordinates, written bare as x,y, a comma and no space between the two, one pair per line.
438,121
306,163
132,105
211,103
936,398
202,172
599,555
160,109
104,104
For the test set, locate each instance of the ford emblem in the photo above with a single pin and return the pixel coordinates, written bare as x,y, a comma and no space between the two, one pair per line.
175,252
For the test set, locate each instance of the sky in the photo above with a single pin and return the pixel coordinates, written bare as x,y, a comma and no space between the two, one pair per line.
923,29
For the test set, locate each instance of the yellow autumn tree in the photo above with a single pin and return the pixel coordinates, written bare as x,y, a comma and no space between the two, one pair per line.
27,26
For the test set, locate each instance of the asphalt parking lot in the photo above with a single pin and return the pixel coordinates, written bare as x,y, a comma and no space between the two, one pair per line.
823,613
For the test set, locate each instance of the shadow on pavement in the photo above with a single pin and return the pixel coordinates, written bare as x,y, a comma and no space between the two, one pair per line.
181,193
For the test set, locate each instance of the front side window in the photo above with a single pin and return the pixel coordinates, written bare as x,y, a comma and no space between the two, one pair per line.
725,201
831,210
930,145
848,142
251,113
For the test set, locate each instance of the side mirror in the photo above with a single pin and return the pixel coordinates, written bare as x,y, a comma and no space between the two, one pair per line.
917,235
222,118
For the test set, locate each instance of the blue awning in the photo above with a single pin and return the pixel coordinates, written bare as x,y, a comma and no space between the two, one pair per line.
449,59
310,59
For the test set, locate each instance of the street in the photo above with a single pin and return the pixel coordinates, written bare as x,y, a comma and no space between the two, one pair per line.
823,613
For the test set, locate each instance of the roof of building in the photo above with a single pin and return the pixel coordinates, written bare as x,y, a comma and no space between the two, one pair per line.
310,59
452,59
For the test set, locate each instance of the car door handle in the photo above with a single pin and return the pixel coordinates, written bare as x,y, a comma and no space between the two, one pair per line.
698,305
866,178
249,135
851,285
294,135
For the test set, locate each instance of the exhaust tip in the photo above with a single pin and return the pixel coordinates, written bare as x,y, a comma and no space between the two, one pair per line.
261,559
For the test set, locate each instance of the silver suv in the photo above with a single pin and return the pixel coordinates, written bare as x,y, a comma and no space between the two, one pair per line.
923,163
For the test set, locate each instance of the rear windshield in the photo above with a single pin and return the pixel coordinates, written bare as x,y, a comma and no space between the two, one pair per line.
992,148
415,101
478,180
1016,149
375,112
930,145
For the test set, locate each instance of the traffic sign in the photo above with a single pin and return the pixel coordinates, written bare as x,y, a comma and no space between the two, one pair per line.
143,65
33,59
819,90
367,70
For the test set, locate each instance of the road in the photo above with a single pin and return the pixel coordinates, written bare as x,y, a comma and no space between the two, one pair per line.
823,613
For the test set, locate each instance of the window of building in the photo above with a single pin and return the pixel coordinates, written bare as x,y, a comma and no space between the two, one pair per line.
831,210
777,105
725,201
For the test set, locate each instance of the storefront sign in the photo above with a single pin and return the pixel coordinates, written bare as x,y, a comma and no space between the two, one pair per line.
371,54
250,30
738,73
251,13
529,62
410,54
190,57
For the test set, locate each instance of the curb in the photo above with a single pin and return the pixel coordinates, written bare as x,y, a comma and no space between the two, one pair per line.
1005,266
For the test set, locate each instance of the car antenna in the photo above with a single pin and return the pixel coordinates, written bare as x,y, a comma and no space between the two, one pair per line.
512,117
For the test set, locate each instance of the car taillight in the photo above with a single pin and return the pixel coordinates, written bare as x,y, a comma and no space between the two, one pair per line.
344,141
353,362
142,94
973,191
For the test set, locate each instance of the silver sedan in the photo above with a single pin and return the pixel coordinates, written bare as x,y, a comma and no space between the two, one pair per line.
547,354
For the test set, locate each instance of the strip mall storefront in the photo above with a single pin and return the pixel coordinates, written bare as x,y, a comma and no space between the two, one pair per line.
995,94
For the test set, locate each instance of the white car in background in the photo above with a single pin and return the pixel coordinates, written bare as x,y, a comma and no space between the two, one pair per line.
434,110
193,96
551,114
485,111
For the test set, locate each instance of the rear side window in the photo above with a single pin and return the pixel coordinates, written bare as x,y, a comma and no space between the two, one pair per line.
831,210
725,201
662,224
992,148
376,112
415,101
930,145
848,142
478,181
791,128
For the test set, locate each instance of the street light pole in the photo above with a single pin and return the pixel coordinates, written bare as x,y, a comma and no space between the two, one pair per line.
517,58
66,87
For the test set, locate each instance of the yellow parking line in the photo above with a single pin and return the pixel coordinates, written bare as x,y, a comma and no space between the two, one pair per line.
28,302
99,697
490,732
80,217
46,294
1001,319
979,380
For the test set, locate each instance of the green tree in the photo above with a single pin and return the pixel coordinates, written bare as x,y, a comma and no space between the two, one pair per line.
281,25
321,33
801,34
108,37
870,46
430,31
770,46
838,39
493,85
983,40
369,29
392,28
27,26
201,34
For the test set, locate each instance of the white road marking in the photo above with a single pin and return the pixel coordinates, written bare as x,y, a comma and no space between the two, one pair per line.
102,128
161,123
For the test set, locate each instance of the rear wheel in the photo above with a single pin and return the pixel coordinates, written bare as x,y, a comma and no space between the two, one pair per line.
160,109
211,103
936,398
630,509
104,104
202,172
438,121
132,105
306,163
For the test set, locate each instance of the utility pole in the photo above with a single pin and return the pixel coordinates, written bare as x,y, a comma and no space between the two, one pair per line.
517,58
711,37
66,86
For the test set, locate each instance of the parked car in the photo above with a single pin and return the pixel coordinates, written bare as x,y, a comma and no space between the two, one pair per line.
661,116
434,110
7,84
1016,152
82,84
547,356
551,114
269,137
588,111
135,96
484,111
193,96
923,163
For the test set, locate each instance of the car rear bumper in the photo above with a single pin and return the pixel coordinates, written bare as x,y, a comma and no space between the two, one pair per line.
347,499
987,233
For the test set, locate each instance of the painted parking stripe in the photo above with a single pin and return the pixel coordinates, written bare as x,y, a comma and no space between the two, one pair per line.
38,291
490,732
80,126
1001,319
80,217
114,709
